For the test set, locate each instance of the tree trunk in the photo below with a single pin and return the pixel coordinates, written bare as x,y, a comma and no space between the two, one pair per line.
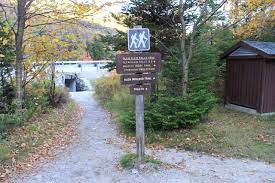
184,60
185,72
52,87
21,12
2,93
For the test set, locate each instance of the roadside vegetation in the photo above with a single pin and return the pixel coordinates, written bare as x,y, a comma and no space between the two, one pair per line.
221,132
225,133
16,144
128,160
185,110
25,147
46,109
30,44
39,90
32,108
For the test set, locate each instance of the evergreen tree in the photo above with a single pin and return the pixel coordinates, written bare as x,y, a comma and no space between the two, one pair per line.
98,49
160,17
7,60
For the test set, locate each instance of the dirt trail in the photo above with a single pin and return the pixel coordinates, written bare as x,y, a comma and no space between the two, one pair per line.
94,158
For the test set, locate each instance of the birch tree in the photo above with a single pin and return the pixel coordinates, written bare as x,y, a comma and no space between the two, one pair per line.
49,12
193,15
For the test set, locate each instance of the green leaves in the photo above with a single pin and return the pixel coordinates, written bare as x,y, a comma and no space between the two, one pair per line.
170,112
7,58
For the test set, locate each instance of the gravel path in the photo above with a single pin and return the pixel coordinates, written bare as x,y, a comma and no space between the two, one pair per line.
94,158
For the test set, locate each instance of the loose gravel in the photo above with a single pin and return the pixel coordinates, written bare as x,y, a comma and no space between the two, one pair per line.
94,158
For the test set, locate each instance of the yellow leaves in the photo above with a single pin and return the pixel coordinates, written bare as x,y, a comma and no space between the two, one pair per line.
56,40
46,132
252,16
6,29
52,33
5,41
70,36
53,45
2,56
82,8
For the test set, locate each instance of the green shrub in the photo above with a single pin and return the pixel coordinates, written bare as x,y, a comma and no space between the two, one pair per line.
122,100
36,100
9,118
171,77
36,97
61,96
8,121
128,160
171,112
112,95
167,112
127,121
4,153
106,87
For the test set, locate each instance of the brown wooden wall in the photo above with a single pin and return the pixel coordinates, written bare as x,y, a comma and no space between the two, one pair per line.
269,87
243,82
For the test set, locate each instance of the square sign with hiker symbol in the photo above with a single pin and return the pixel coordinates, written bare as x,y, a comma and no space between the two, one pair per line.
139,39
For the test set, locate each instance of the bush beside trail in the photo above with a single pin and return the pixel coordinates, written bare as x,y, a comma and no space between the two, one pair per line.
37,100
166,113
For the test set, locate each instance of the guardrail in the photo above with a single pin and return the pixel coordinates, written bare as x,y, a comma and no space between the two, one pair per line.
82,62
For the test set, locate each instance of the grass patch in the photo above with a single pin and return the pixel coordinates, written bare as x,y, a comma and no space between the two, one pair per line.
227,133
128,160
5,155
20,142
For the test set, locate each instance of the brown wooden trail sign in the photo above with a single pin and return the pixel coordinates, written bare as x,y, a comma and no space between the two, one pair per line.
132,79
140,89
131,63
139,70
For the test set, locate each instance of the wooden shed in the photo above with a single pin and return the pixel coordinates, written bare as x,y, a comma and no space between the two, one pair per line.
250,77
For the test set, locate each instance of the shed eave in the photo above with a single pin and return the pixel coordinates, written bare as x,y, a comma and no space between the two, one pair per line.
247,46
230,50
271,57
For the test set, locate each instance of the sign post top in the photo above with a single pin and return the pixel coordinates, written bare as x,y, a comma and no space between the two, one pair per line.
139,39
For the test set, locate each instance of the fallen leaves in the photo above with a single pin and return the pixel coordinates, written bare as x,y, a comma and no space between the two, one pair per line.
4,173
42,145
272,164
173,166
119,167
262,138
109,141
156,147
23,145
126,146
130,139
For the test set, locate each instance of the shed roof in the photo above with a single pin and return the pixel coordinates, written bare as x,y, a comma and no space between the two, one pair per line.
265,49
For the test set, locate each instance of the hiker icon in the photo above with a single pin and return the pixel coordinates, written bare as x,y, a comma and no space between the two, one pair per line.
142,40
139,39
134,40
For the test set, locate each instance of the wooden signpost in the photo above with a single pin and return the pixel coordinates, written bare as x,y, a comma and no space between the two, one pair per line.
138,63
132,79
139,71
140,89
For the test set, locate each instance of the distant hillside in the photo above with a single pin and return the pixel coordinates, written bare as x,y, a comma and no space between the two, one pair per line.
86,31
